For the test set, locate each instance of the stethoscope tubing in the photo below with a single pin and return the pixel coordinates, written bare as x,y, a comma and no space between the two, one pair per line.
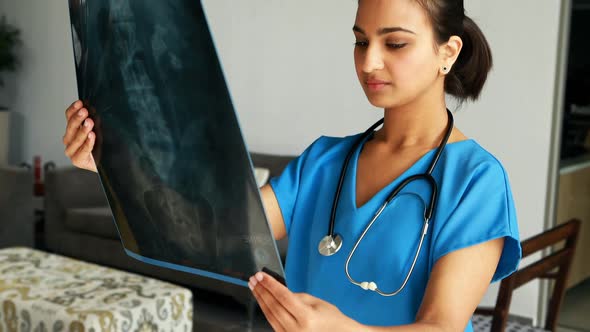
428,212
376,289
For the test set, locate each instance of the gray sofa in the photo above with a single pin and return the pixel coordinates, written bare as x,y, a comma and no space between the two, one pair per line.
16,207
78,223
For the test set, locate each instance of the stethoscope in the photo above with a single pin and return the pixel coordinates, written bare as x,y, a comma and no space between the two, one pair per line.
332,242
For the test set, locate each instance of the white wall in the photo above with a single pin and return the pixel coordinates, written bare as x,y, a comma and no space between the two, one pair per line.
46,81
290,69
513,117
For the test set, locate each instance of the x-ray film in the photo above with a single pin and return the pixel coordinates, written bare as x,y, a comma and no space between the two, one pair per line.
169,149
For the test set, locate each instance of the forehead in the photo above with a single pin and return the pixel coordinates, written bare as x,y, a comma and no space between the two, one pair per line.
375,14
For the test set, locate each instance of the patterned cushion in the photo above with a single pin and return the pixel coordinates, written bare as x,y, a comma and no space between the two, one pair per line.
46,292
483,323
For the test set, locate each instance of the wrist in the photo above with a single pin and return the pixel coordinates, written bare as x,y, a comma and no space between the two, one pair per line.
355,326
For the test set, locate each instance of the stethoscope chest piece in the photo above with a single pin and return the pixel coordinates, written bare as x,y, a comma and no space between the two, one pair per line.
330,245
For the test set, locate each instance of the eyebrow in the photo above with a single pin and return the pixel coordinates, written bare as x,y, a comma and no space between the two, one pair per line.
383,31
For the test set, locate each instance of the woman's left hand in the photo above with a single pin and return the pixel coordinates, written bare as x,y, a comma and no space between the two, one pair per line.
287,311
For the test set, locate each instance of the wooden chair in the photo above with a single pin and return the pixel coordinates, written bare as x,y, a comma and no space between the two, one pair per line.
555,266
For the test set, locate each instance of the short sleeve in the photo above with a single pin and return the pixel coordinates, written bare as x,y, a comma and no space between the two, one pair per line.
286,186
485,211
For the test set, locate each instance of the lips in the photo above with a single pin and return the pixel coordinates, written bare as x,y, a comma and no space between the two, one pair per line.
375,81
376,85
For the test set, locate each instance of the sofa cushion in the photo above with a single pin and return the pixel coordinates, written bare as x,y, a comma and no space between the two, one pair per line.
98,221
16,207
275,164
261,174
92,220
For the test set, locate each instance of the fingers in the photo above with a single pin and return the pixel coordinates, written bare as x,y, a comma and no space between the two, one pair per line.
279,300
80,137
77,105
83,157
85,151
282,294
73,125
277,317
270,317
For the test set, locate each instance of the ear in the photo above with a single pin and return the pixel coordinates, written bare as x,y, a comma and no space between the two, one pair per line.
448,53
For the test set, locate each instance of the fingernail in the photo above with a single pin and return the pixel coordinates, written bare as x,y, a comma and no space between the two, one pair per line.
259,276
86,124
251,287
253,281
80,113
90,135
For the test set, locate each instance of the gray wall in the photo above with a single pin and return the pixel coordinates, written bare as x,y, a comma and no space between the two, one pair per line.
290,70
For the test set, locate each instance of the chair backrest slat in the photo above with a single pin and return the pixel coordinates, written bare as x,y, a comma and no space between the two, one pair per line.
559,260
549,237
541,267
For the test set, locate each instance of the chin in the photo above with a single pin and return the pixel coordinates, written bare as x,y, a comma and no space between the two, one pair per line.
381,101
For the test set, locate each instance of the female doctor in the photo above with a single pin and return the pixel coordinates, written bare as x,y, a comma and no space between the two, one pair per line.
396,229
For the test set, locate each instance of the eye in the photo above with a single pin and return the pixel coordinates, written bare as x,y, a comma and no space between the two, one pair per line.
396,46
361,44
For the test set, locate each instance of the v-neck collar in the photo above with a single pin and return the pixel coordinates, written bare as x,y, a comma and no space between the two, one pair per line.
382,194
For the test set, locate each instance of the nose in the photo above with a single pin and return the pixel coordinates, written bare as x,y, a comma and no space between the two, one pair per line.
372,59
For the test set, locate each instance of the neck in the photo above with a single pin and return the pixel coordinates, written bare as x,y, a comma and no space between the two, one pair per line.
422,123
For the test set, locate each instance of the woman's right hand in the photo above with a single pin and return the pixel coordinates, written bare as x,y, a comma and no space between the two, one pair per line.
79,138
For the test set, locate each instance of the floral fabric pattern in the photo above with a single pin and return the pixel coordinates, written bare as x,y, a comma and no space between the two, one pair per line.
42,292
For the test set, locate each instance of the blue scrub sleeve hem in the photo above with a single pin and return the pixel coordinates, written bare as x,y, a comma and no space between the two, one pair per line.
282,203
509,260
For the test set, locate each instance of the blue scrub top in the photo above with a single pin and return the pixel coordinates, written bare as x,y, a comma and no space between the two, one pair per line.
474,205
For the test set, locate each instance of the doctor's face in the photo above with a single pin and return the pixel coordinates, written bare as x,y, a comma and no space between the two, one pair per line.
394,54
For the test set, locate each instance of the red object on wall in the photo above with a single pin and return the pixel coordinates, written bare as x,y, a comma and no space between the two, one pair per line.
38,189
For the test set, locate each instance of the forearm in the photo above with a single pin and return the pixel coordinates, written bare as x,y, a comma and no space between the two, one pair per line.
418,326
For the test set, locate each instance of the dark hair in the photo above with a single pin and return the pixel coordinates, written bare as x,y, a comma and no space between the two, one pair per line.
470,71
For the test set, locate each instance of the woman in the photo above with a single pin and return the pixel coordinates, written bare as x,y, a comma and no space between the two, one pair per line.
415,268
